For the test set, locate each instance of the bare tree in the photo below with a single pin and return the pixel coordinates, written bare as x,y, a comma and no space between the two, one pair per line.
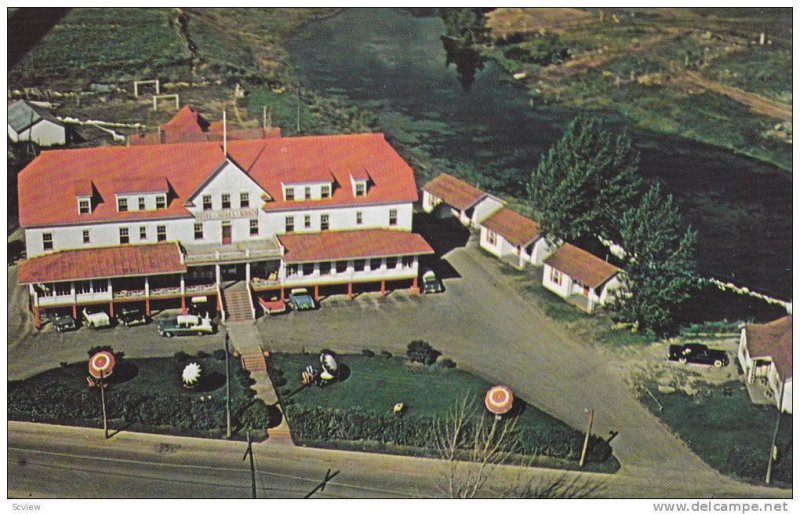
472,444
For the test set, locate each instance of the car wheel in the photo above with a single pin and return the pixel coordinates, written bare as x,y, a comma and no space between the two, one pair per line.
717,363
682,360
168,334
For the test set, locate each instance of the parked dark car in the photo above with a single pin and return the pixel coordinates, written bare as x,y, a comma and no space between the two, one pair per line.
698,354
130,316
62,322
300,300
430,283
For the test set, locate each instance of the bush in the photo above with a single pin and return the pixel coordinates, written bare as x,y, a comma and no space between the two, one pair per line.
385,354
447,363
182,357
367,353
421,351
203,355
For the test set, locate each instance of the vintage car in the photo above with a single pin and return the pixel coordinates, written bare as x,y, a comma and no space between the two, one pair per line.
431,284
272,306
300,300
697,354
62,322
186,325
95,318
130,316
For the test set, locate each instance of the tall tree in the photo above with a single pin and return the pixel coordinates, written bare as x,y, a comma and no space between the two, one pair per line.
659,263
465,24
585,181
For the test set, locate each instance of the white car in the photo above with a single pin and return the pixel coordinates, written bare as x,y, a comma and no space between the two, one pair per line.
95,318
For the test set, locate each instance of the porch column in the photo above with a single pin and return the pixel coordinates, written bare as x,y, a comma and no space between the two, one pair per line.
73,292
111,302
415,287
247,273
183,304
282,293
37,318
349,290
316,293
751,373
75,310
146,287
383,288
219,280
521,253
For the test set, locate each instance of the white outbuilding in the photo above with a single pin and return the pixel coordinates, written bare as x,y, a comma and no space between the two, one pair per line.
580,277
29,122
446,196
514,237
765,354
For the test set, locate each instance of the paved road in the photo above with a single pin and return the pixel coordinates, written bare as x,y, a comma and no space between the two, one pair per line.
482,323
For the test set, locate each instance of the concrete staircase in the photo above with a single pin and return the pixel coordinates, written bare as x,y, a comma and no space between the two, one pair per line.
238,303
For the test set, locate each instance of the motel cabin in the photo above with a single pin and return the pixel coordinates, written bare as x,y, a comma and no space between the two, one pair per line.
167,223
514,238
29,122
579,277
447,196
765,355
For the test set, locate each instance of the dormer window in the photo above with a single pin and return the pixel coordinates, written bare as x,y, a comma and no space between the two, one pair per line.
122,204
141,203
289,194
161,202
361,188
307,194
325,191
84,206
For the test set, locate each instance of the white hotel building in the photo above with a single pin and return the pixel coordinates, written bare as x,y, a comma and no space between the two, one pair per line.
165,223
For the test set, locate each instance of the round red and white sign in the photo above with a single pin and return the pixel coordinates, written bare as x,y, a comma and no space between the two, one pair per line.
101,364
499,399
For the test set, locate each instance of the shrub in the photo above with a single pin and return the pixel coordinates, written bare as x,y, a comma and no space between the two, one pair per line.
447,363
385,354
182,356
421,351
218,354
203,355
367,353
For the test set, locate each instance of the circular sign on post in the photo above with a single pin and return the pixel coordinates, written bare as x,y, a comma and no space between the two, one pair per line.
101,364
499,400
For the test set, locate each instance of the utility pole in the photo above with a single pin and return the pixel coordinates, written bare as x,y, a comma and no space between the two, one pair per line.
252,463
772,449
103,400
227,387
586,440
298,109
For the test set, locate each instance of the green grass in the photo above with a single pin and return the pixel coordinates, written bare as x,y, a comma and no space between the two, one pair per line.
763,70
727,431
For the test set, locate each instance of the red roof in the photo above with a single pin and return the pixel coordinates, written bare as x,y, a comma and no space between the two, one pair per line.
186,120
773,339
582,266
307,175
454,192
352,244
108,262
47,193
140,185
515,228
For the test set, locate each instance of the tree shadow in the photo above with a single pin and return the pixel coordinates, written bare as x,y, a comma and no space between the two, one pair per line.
210,382
124,371
713,304
343,373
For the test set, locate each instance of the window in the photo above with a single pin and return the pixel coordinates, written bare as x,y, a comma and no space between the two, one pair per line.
289,194
408,261
307,192
244,200
308,269
63,289
326,191
161,233
307,221
341,266
122,204
359,217
142,232
207,206
361,188
198,231
555,276
141,203
391,262
161,202
123,236
491,237
86,239
253,227
84,206
83,286
323,222
392,217
289,223
291,270
358,264
325,268
47,241
226,201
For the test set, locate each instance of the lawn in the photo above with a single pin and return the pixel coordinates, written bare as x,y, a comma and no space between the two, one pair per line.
144,395
726,430
371,385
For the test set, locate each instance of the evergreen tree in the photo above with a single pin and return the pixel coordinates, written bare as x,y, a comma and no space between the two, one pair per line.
659,263
465,24
585,182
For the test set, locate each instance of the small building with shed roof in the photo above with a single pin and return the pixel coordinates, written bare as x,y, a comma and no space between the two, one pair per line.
446,196
579,277
765,354
514,237
30,122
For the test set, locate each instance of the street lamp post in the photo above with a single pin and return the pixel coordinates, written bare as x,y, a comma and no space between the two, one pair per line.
586,439
103,401
227,388
772,449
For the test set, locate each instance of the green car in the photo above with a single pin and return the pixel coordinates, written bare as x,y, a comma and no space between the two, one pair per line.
300,300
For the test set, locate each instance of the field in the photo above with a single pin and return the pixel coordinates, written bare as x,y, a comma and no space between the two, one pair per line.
699,74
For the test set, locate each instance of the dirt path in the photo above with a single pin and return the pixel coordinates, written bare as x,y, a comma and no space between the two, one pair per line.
755,102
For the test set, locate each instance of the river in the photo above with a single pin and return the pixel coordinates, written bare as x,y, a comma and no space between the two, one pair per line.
485,128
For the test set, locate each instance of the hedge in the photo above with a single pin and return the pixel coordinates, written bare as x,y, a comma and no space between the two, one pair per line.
325,424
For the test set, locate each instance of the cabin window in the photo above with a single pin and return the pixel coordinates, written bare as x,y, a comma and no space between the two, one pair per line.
359,264
307,193
226,201
555,276
307,221
47,241
84,206
161,233
392,217
361,189
289,194
323,222
308,269
391,262
122,204
198,231
291,270
326,192
289,223
253,227
86,239
141,203
325,268
359,217
161,202
207,205
408,261
143,232
491,237
341,266
124,237
244,200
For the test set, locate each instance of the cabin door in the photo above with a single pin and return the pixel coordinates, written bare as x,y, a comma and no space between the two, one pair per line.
226,233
